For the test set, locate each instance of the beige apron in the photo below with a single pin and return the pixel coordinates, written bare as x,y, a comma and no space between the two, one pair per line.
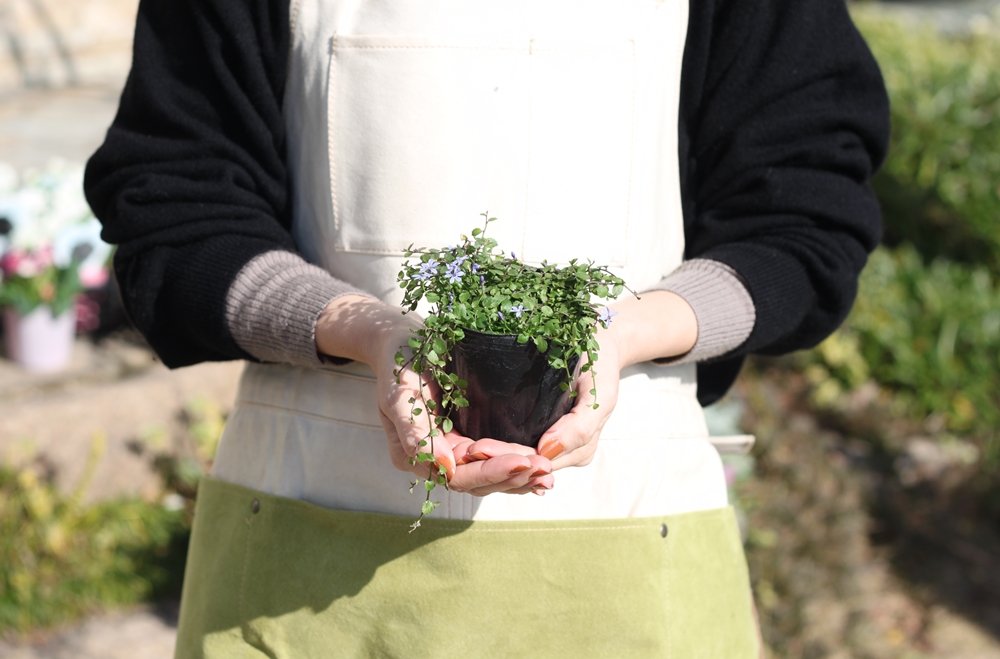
406,119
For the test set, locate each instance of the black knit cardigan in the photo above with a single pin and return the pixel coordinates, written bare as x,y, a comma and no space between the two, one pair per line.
783,119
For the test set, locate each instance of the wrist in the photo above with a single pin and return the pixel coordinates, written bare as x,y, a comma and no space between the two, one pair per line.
362,329
659,325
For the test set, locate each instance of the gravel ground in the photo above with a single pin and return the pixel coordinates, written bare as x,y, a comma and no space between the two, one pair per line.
141,634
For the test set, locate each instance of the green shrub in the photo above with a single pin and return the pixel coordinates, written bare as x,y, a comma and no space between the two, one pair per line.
940,187
59,559
930,333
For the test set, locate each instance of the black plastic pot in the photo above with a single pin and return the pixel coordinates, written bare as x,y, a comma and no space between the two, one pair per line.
514,395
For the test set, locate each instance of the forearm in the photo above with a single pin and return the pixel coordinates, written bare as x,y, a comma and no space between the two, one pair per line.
362,329
660,324
273,305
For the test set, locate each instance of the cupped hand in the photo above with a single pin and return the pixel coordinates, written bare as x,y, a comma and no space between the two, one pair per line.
572,440
478,468
662,324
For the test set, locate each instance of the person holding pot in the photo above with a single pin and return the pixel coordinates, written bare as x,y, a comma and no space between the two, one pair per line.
269,164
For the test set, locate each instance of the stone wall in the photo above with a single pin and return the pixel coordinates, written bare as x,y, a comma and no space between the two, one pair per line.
58,43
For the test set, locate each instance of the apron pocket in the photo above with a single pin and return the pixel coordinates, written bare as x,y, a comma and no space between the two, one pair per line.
312,582
426,133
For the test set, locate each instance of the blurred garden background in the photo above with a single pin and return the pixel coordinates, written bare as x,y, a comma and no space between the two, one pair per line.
870,503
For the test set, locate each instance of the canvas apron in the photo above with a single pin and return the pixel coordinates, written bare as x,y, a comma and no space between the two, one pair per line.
406,120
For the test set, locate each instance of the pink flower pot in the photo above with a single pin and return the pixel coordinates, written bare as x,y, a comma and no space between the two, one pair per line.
38,342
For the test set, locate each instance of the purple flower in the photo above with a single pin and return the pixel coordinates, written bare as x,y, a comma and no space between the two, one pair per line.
605,317
427,270
513,256
454,272
500,313
475,267
518,310
482,279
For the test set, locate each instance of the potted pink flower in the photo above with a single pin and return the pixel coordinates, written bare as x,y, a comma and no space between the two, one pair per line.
38,300
50,250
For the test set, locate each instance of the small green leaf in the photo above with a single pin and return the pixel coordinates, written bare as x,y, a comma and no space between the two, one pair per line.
446,425
427,508
429,485
541,344
617,290
439,345
399,359
414,342
522,338
432,297
476,231
417,411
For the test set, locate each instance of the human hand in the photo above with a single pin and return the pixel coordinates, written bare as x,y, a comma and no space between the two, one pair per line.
572,440
476,467
370,331
662,324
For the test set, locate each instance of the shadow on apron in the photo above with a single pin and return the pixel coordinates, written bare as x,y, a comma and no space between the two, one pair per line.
274,577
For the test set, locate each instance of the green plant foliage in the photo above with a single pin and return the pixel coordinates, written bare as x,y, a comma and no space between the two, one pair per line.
59,559
54,286
475,286
929,333
940,187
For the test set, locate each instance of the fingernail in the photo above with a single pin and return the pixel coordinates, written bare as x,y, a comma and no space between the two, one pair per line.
552,449
519,469
479,455
449,468
539,492
541,472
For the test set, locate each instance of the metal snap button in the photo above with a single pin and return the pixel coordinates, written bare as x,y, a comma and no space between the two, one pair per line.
255,506
663,530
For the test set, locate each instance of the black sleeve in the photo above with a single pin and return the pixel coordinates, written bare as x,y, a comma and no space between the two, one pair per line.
190,182
784,117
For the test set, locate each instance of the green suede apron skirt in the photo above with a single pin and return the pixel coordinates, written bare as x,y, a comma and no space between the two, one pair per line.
276,577
405,121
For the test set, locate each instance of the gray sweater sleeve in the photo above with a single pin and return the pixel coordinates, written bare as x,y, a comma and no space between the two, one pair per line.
721,303
273,304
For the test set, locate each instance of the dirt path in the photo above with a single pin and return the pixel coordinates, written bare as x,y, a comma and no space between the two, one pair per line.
142,634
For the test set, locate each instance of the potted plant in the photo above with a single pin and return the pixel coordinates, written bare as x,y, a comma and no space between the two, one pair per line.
38,300
502,343
50,250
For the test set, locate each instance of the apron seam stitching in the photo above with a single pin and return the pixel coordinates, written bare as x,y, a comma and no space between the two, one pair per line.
244,623
312,415
331,108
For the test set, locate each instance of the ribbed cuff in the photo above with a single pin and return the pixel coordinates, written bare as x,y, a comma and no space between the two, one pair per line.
273,304
721,304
